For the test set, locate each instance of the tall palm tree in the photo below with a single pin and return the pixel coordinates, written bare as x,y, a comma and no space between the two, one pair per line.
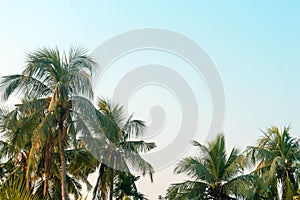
120,153
57,77
214,174
277,160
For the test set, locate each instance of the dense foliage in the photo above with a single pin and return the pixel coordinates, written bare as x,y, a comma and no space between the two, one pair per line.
274,164
42,137
44,153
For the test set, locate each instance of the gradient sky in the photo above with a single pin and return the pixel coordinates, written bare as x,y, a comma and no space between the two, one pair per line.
255,46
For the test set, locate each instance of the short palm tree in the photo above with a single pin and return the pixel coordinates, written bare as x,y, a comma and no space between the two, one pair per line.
125,186
14,188
214,174
120,152
56,78
277,160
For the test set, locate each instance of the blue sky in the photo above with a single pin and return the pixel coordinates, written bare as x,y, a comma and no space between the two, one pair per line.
254,45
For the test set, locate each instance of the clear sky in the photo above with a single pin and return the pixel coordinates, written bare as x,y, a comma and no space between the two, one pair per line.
255,46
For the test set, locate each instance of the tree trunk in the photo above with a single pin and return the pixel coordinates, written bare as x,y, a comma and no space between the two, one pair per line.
45,186
64,193
111,189
48,156
100,192
62,131
46,174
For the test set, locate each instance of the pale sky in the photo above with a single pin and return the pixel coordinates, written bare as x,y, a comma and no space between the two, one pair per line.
253,44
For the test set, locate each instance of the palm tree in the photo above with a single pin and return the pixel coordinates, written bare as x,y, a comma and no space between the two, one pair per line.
214,174
125,186
41,165
17,127
277,160
56,77
120,152
14,188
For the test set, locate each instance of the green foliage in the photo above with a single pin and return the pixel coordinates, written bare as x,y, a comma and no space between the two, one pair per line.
14,188
43,125
118,132
214,174
124,186
42,156
35,155
277,160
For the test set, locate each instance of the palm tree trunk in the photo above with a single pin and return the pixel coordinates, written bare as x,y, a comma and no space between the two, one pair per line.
47,162
111,190
99,191
62,131
64,194
45,186
46,174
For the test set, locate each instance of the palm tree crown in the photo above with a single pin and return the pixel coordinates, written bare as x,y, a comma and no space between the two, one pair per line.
56,79
120,153
214,174
277,157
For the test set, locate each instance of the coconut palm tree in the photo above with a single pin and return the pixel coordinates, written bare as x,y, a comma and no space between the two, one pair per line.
214,174
277,159
14,188
58,78
125,186
17,127
121,152
36,155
